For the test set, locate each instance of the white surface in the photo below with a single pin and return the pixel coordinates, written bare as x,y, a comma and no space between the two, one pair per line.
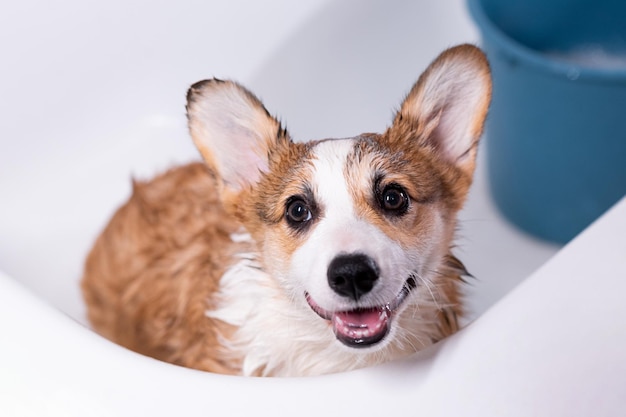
91,94
553,347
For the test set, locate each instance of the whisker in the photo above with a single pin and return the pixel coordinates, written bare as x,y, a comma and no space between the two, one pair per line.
428,284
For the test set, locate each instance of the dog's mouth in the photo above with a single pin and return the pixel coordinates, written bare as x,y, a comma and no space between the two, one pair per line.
363,327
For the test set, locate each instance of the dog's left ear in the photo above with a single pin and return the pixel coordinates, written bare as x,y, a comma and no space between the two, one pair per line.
233,131
447,107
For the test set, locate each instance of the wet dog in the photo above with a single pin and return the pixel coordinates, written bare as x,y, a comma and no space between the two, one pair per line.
274,257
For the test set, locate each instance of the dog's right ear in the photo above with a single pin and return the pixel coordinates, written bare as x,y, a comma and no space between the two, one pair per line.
232,130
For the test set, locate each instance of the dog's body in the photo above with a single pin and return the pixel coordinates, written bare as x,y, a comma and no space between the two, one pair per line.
283,258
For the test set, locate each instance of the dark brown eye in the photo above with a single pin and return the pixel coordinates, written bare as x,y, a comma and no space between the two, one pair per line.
297,212
394,199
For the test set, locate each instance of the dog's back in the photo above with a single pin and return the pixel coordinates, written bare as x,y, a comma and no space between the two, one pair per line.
151,274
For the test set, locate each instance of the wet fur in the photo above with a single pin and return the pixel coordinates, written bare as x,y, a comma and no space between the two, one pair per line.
192,269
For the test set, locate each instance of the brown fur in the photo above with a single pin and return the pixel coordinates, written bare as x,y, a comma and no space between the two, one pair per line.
155,269
150,275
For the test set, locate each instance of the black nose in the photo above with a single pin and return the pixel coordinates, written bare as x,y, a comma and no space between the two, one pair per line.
352,275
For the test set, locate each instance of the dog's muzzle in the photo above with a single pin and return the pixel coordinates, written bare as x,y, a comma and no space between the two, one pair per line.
363,327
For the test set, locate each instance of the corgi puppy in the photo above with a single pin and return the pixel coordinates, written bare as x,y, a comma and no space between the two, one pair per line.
280,258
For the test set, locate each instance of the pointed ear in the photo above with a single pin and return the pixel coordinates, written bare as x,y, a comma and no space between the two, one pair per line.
448,105
232,130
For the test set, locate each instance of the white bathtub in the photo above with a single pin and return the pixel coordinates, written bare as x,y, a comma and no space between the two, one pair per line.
92,94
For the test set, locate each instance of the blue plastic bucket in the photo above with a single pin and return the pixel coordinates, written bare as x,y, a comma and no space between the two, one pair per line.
556,132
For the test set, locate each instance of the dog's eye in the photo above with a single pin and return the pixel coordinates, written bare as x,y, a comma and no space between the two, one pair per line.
297,212
394,199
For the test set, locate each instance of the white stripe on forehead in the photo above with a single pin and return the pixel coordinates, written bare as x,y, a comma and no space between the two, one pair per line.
328,179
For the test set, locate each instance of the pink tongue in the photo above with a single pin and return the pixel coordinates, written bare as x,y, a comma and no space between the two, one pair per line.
360,318
360,323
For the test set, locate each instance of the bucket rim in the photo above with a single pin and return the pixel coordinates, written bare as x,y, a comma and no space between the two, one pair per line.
552,65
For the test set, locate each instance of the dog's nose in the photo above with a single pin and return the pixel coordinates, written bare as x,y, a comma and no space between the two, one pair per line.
352,275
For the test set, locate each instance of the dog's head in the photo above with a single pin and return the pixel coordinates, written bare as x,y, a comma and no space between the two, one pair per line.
350,227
